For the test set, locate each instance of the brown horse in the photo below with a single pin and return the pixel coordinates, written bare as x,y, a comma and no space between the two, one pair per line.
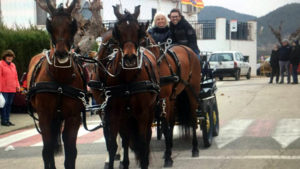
130,81
57,89
180,77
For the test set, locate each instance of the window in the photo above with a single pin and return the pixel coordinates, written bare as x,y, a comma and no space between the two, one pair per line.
221,57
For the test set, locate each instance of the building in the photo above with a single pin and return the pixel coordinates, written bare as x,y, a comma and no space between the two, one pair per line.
24,13
148,8
214,36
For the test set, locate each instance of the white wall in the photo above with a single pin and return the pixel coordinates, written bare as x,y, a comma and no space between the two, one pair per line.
246,47
20,12
146,7
164,6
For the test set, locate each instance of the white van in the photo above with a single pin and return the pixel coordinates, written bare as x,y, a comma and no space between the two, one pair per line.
230,64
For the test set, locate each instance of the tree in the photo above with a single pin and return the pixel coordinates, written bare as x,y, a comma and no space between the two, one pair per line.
88,28
277,33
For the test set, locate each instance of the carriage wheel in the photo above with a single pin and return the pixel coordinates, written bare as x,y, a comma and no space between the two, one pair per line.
207,127
215,112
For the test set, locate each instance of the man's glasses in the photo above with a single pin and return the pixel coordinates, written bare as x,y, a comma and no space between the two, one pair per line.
174,17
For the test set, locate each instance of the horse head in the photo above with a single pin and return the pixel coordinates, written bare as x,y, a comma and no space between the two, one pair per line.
128,32
62,28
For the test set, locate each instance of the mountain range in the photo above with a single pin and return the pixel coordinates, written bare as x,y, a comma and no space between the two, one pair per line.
288,14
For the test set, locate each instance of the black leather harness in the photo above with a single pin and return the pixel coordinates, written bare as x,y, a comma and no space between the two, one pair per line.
58,89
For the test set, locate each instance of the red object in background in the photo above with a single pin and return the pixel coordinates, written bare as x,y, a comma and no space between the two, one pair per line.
298,70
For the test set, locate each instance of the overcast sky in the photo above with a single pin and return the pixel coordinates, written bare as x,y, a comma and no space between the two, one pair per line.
252,7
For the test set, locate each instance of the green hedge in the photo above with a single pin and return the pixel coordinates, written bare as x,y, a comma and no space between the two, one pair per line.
25,42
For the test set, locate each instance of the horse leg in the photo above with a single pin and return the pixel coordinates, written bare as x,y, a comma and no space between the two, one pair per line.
50,135
111,146
195,151
119,153
69,136
48,152
124,164
193,108
119,149
168,152
145,149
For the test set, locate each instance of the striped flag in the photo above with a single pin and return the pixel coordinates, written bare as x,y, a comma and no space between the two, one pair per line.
195,3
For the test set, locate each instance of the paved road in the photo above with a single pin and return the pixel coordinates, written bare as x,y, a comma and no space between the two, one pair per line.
260,128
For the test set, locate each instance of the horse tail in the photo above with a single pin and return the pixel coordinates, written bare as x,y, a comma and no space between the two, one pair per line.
56,133
184,113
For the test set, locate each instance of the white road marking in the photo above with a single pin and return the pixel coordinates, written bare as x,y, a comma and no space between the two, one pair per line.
250,157
287,131
81,132
219,83
17,137
232,131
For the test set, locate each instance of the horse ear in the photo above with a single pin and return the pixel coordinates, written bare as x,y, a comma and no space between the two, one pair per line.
143,29
50,7
115,32
117,12
137,11
49,26
74,27
71,7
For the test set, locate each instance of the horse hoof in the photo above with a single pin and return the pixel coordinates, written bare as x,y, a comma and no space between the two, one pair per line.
121,166
106,166
195,154
117,157
168,163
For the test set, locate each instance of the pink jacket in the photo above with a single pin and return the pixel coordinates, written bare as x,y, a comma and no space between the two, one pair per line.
8,77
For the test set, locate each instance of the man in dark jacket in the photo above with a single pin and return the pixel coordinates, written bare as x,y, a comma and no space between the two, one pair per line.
182,32
294,60
284,63
274,62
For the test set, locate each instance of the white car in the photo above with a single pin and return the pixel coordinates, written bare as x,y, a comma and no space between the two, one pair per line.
230,64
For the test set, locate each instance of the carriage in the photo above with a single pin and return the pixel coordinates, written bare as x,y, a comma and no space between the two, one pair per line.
134,79
207,114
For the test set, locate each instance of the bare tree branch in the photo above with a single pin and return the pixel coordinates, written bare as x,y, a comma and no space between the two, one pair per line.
88,29
277,33
295,35
43,5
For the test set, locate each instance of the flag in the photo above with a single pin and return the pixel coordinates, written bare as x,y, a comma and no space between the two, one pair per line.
195,3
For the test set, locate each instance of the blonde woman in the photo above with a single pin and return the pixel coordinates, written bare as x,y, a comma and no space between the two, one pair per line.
160,30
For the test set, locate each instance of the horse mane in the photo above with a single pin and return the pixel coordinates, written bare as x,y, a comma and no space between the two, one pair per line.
60,11
127,17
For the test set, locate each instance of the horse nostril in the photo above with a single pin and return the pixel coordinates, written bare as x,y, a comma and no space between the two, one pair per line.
61,54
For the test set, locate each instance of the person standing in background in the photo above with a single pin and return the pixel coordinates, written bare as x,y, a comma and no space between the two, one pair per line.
284,63
294,60
274,62
9,84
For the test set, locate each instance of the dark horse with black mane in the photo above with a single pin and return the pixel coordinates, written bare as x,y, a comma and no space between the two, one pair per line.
131,86
57,88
